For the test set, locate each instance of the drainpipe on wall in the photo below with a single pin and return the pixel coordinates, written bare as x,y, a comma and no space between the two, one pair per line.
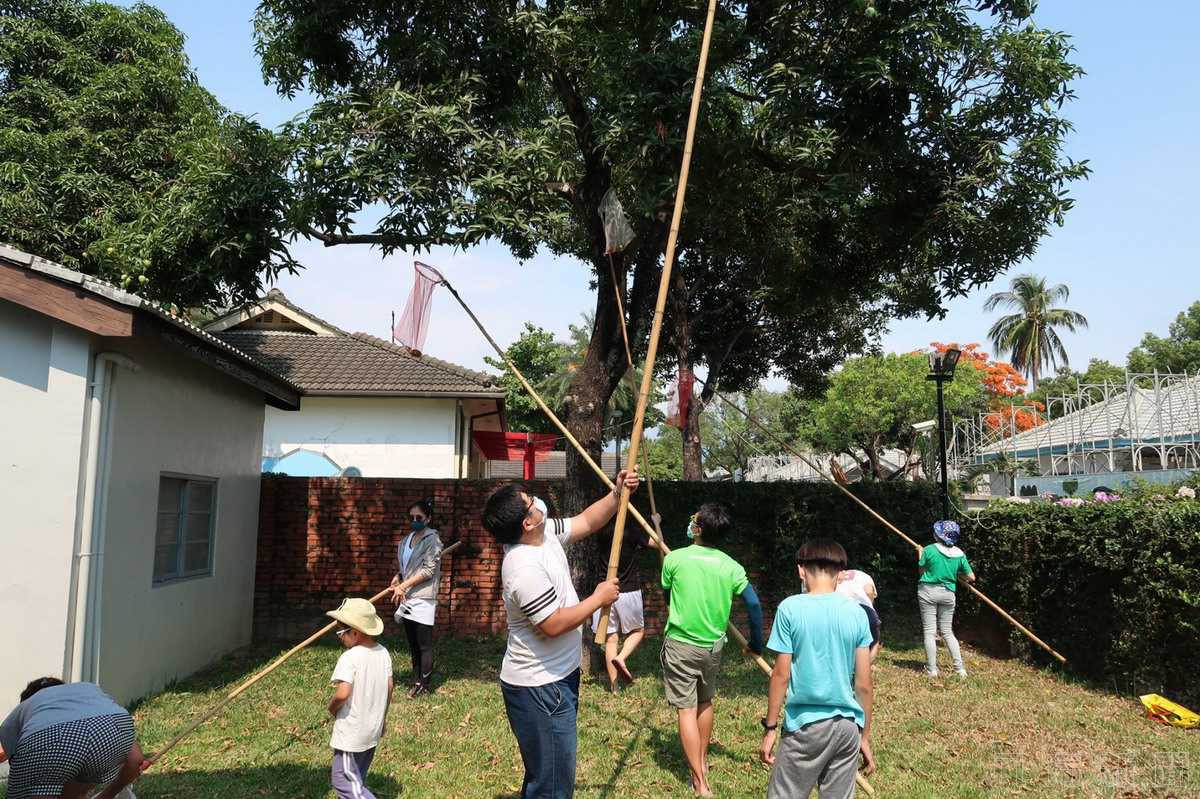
459,427
84,653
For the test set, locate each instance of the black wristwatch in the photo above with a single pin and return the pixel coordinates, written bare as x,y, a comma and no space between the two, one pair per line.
768,727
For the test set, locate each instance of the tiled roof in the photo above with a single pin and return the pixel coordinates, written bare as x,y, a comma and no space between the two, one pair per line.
358,364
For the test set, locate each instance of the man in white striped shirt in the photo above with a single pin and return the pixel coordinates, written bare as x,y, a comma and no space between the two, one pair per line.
539,677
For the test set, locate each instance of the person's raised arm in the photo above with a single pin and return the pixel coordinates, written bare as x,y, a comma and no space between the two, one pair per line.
568,618
776,693
598,514
755,615
864,689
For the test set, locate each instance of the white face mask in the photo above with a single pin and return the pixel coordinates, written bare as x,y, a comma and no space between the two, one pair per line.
540,505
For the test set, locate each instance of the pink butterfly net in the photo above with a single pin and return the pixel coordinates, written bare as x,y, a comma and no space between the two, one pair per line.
410,331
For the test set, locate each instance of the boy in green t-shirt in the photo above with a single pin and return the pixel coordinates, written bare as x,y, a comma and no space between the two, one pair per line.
701,582
941,565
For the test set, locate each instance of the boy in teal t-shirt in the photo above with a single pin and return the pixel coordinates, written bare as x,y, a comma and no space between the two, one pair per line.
701,582
821,684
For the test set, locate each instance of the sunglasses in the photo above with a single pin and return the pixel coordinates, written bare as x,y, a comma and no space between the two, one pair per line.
341,632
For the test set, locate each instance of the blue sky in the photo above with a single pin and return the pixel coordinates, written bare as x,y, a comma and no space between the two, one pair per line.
1128,249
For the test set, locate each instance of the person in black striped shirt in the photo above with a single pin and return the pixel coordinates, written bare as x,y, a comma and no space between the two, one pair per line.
539,677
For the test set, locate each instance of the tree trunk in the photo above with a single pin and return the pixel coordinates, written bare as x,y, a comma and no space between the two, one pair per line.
873,458
681,337
583,407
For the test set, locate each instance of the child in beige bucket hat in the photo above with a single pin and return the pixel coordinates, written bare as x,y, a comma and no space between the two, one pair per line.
362,693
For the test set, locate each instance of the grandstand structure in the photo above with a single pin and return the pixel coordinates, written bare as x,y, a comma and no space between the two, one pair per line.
1150,423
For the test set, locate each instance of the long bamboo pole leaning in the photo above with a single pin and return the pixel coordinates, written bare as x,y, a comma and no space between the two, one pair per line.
655,535
617,291
664,284
817,468
279,661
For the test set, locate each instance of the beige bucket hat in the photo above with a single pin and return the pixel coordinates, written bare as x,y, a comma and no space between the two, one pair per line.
359,614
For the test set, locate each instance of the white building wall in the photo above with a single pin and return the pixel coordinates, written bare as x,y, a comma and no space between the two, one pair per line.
176,415
43,392
380,436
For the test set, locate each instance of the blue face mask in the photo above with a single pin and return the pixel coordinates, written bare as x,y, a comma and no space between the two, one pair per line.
691,532
417,525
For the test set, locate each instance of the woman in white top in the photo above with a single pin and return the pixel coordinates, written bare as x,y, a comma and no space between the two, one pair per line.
415,591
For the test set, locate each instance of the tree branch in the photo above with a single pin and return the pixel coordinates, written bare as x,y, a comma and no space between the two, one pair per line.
334,239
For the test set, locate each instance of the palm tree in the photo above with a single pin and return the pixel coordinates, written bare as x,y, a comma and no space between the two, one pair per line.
1029,335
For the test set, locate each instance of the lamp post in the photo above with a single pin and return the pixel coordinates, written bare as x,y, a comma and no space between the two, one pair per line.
941,371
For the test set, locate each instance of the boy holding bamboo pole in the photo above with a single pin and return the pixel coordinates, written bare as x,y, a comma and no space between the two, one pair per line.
539,677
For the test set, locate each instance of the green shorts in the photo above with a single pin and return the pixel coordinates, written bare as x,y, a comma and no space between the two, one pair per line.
690,672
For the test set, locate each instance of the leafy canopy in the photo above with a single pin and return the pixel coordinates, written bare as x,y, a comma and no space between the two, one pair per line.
854,160
730,440
1178,352
537,355
116,162
872,403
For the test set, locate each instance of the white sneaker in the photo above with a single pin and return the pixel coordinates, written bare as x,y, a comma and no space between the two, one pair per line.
933,675
962,673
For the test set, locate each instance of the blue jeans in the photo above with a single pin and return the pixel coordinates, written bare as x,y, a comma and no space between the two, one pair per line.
542,718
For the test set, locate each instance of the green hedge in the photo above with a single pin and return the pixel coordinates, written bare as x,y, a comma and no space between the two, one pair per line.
773,519
1114,587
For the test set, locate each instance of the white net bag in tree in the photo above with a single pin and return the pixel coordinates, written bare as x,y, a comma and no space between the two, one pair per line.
617,233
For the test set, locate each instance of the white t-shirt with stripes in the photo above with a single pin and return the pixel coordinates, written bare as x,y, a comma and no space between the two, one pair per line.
537,582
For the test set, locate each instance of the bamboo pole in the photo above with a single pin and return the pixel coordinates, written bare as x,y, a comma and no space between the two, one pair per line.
655,535
612,270
664,285
279,661
815,467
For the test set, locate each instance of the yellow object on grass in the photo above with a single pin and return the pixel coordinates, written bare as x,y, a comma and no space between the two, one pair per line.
1168,712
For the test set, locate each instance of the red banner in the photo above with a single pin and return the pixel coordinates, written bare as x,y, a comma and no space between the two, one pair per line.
679,397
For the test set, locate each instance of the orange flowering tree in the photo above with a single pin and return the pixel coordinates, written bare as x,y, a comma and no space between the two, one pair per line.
1005,388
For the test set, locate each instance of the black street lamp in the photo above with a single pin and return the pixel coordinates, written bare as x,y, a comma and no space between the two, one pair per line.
941,370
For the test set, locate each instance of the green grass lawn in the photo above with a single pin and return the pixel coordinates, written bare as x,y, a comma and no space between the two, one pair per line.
1009,730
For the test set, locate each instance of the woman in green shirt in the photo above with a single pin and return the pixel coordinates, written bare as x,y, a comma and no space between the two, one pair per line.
941,564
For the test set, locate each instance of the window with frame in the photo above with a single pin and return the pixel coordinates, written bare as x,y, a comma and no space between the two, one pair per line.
183,543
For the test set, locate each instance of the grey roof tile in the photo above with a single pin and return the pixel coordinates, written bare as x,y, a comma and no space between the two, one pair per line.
358,364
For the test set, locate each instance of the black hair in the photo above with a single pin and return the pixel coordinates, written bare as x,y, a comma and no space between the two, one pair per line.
823,555
715,524
504,513
425,506
39,684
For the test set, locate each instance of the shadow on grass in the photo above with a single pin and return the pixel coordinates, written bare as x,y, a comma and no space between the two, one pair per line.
282,780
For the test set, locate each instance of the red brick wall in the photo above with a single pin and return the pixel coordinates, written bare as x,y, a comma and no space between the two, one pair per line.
323,539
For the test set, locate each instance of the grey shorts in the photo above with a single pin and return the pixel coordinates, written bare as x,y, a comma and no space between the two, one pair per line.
821,755
690,672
